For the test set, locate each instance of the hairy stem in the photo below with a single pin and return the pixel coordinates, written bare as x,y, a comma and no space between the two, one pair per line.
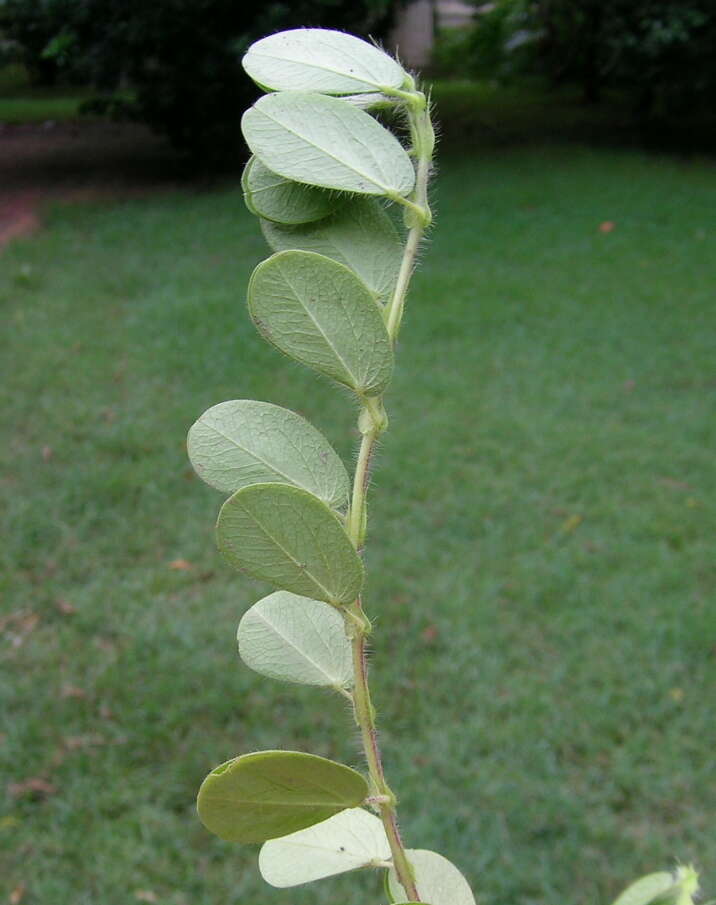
372,423
423,142
365,716
358,629
360,487
397,303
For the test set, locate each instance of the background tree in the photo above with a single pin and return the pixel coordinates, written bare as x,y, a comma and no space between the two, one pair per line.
173,64
660,53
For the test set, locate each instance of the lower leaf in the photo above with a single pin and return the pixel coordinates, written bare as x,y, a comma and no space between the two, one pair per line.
437,880
296,639
268,794
275,198
350,840
360,235
287,536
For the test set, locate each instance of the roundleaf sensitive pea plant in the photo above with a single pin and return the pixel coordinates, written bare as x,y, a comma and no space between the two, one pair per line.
343,203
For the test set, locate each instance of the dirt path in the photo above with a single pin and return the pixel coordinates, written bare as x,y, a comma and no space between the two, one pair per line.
80,161
18,217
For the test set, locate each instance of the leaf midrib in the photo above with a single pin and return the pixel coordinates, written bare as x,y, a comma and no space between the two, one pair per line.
385,190
311,65
331,346
259,459
298,650
299,566
289,805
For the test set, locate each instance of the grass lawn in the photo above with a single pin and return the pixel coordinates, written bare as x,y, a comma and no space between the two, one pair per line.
541,553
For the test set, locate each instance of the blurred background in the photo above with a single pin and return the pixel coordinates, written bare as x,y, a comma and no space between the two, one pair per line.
541,553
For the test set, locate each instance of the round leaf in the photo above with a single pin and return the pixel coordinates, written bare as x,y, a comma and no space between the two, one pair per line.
650,889
318,312
323,141
350,840
286,536
275,198
271,793
320,60
437,880
244,442
360,235
296,639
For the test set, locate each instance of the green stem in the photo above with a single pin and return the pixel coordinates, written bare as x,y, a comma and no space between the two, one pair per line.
358,628
360,488
365,716
424,140
397,303
372,424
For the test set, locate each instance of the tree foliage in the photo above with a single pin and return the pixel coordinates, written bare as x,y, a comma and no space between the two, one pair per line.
174,64
662,53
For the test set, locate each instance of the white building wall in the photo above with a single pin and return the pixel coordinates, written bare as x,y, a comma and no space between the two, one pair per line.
412,37
414,32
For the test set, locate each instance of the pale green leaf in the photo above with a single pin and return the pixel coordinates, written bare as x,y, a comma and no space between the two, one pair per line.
286,536
296,639
275,198
360,235
245,185
350,840
320,313
267,794
647,890
662,888
323,141
244,442
320,60
437,880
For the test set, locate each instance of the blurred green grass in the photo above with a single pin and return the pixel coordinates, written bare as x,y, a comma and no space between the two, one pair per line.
541,544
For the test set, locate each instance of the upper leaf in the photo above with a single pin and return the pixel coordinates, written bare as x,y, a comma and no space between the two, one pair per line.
296,639
244,442
318,312
267,794
321,60
323,141
437,880
286,536
279,199
360,235
350,840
